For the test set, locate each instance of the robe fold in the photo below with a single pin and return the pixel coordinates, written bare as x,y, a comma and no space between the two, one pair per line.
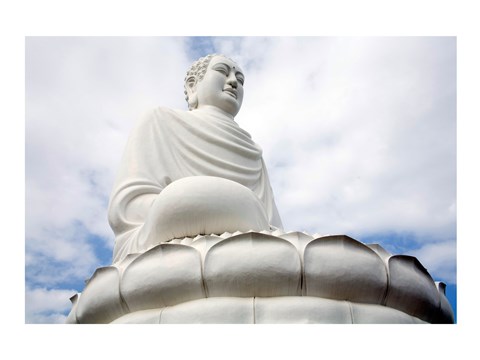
167,145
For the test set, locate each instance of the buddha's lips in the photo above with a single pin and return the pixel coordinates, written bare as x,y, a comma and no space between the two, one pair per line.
231,92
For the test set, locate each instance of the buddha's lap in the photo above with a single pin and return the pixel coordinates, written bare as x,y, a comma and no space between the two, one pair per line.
204,205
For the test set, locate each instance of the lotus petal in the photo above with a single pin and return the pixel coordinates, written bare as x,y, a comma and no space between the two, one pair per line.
100,302
339,267
167,274
411,289
252,264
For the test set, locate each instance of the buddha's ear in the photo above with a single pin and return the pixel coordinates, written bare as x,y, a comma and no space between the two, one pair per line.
191,88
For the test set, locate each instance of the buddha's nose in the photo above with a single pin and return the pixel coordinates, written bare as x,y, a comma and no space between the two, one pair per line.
232,79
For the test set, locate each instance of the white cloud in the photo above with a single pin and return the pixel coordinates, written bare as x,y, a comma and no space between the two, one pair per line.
59,255
358,133
439,259
47,306
82,97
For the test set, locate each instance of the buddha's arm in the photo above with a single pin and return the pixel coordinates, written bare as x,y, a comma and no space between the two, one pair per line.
128,224
137,209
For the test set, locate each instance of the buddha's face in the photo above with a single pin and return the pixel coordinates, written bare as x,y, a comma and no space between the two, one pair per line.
222,86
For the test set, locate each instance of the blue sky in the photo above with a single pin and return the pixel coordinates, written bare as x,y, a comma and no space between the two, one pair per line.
358,134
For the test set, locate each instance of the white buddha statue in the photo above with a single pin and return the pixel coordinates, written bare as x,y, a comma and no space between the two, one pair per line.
189,173
186,173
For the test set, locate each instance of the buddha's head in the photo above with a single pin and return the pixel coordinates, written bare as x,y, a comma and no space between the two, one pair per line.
215,80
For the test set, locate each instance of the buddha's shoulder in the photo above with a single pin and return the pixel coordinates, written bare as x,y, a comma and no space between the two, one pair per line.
160,111
162,114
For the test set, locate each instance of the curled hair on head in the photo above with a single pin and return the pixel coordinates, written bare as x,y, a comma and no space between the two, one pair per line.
197,72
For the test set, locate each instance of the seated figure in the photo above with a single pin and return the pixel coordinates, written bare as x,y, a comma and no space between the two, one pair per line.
189,173
186,173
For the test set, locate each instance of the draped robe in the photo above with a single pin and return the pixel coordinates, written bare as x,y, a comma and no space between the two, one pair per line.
167,145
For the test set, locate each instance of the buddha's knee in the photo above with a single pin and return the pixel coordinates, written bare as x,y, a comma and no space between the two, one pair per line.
203,205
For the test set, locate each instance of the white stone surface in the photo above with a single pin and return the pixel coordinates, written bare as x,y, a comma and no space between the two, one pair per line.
185,279
150,316
407,275
301,310
202,205
166,275
270,310
220,310
341,268
374,314
252,264
101,301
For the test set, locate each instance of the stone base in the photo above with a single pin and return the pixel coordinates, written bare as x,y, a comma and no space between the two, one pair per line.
274,310
263,277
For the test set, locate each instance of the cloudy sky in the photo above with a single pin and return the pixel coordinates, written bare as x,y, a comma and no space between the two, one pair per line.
358,134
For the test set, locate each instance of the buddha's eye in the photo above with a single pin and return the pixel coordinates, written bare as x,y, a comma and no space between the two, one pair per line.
240,79
222,69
